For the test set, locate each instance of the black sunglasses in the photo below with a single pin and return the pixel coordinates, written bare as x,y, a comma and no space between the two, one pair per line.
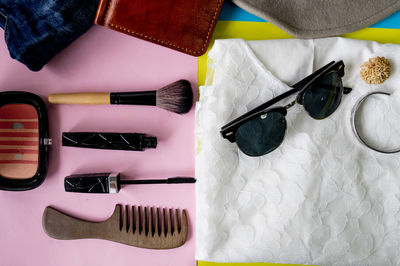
262,130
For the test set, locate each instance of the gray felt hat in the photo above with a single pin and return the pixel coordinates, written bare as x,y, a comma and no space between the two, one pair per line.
320,18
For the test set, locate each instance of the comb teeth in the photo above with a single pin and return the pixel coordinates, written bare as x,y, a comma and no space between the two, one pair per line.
151,222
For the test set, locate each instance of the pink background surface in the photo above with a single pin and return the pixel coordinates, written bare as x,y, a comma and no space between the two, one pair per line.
102,60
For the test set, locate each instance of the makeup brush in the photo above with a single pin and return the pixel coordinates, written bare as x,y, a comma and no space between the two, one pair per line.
111,182
176,97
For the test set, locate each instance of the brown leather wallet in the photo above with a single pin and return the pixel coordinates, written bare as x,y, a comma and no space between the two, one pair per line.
183,25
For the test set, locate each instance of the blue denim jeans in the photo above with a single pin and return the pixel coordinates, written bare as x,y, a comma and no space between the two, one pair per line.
36,30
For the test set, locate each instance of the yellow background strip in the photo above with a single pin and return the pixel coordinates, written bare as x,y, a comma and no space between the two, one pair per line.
264,31
205,263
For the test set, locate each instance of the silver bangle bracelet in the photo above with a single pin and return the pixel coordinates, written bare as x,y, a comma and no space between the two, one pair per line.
356,131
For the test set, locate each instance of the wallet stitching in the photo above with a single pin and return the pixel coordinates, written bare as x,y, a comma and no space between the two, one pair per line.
167,42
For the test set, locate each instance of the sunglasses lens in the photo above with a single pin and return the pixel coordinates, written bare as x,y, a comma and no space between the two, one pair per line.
262,134
324,95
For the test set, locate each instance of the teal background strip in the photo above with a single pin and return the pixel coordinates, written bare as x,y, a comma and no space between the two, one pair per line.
232,12
391,22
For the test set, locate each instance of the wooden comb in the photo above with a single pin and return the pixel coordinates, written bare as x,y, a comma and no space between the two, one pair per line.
152,228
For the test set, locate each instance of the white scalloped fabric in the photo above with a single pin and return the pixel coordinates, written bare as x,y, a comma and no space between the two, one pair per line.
321,197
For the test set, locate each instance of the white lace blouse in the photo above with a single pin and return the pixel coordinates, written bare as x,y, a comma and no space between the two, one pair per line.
321,197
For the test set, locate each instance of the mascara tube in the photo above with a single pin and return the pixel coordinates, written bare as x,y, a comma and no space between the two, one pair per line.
111,182
109,141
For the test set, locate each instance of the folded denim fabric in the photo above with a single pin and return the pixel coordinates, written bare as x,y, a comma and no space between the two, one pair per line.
36,30
322,18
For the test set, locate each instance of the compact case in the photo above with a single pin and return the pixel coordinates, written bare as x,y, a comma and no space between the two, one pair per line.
24,140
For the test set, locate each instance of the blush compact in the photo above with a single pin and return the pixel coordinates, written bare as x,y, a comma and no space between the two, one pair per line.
24,140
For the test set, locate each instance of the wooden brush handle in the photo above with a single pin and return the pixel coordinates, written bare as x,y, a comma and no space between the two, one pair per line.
62,226
80,98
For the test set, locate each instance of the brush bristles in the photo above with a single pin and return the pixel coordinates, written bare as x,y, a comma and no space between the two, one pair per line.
176,97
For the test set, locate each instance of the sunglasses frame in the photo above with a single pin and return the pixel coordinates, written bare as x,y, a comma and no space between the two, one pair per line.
228,131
